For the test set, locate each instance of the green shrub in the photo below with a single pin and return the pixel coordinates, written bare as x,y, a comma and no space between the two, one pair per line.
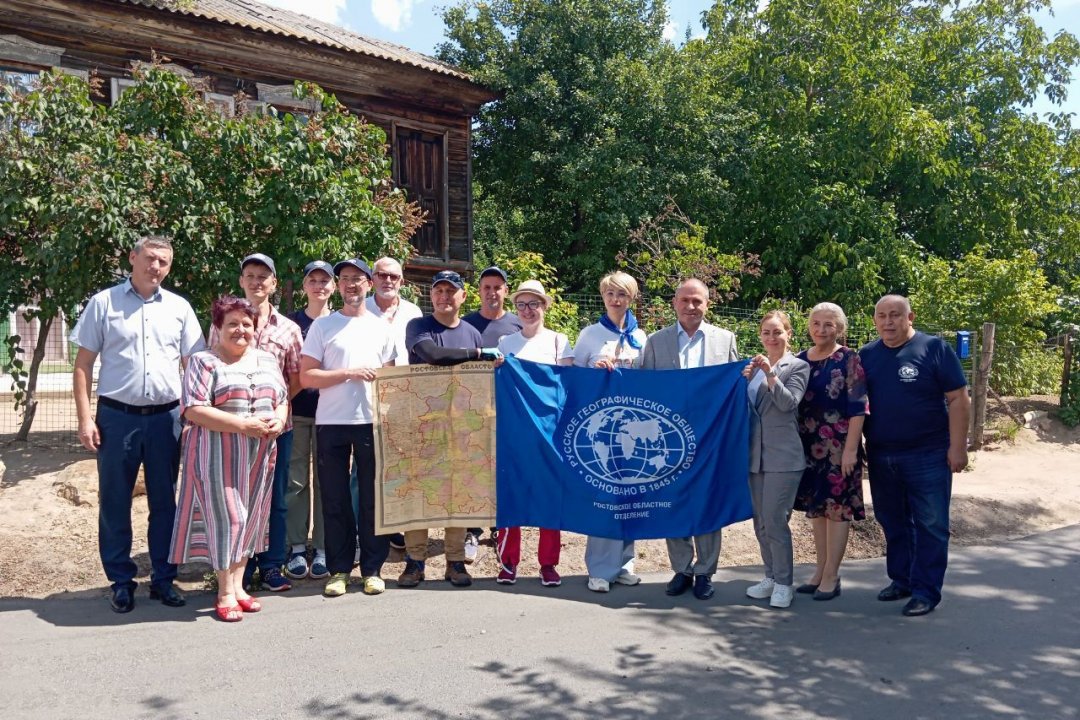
1026,371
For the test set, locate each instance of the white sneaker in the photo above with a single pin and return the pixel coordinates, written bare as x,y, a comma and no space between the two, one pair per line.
472,546
781,596
599,585
762,590
628,578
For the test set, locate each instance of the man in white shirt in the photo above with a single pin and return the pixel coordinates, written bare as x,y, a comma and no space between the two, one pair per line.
691,343
340,356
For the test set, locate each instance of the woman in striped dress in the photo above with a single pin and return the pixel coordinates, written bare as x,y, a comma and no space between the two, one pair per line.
235,405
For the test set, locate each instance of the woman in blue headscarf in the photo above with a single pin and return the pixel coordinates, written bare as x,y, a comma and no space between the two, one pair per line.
615,341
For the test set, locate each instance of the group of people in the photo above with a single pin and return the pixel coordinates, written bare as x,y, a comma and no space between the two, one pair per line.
274,423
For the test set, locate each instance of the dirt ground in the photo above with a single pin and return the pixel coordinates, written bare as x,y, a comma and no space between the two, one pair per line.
1023,482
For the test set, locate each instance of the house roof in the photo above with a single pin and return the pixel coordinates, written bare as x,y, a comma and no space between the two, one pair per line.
285,23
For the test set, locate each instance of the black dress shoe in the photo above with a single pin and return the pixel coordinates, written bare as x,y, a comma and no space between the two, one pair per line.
893,592
703,589
807,589
122,600
835,592
679,584
168,595
916,607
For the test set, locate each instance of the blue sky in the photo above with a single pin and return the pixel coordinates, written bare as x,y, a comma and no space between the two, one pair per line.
416,24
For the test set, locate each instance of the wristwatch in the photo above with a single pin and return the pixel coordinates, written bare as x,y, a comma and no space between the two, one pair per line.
770,374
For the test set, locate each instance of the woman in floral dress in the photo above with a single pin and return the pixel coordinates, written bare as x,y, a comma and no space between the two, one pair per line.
830,424
235,405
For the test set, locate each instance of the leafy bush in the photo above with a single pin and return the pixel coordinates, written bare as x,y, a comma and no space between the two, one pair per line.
1013,293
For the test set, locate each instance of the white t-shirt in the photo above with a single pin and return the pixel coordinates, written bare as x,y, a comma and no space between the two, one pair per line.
596,342
547,346
338,341
406,311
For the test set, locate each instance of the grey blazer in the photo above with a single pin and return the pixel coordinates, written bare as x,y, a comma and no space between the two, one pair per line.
662,348
775,445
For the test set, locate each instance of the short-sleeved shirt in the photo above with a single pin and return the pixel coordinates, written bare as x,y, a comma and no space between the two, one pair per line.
139,342
491,331
596,342
906,387
305,401
546,346
403,312
428,328
340,341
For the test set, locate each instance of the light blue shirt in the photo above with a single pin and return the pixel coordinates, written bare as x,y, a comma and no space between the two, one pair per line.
691,349
139,343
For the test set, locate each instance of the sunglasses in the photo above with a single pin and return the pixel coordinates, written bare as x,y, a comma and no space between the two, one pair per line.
380,275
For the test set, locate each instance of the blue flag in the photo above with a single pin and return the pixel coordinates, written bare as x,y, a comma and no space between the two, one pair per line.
628,454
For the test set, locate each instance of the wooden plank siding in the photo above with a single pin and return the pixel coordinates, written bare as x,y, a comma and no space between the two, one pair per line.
430,109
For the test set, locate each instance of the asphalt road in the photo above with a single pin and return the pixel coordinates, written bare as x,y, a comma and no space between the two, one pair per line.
1005,643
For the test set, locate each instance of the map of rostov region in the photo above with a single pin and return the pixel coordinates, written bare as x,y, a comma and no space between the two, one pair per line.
434,447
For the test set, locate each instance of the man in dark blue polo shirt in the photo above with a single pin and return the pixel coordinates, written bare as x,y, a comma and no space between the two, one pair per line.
916,438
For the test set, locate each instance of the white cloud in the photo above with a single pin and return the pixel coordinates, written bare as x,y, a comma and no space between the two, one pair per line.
671,30
326,10
393,14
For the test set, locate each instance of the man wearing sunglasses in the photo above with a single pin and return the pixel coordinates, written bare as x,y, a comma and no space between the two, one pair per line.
385,302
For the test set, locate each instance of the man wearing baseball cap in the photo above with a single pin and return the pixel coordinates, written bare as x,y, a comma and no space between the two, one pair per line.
281,337
342,352
303,488
494,323
442,338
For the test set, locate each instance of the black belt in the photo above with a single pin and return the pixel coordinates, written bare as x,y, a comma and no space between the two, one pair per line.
136,409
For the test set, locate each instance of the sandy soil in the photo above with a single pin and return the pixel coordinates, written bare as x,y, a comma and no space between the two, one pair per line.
48,506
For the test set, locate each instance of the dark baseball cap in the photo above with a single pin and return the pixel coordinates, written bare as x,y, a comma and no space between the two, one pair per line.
353,262
493,270
318,265
448,276
259,258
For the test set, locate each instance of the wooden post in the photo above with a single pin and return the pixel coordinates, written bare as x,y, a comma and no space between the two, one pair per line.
981,381
1066,370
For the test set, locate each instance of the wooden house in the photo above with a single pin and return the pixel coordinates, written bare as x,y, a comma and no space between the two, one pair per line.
240,46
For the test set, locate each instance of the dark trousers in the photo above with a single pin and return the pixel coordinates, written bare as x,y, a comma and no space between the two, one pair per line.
274,556
337,446
912,491
128,441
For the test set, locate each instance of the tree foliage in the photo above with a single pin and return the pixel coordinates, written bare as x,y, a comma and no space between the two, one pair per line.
1013,293
79,183
841,141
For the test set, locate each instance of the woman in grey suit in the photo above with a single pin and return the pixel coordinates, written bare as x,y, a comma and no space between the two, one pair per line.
777,382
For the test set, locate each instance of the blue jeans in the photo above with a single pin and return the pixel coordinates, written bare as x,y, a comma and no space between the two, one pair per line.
911,492
274,557
128,441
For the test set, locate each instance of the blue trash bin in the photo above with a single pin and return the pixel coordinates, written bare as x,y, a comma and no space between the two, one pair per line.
963,344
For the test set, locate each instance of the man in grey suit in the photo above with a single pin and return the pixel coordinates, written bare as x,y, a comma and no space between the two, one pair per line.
691,343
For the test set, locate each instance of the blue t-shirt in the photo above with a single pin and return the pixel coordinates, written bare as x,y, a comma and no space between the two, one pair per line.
906,387
428,328
307,400
491,331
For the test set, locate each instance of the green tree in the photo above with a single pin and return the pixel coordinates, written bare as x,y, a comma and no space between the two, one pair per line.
80,182
888,130
597,123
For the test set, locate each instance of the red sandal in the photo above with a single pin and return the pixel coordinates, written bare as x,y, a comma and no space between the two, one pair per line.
232,613
249,604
